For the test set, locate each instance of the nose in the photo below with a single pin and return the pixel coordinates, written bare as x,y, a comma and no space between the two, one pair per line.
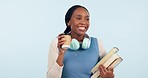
83,22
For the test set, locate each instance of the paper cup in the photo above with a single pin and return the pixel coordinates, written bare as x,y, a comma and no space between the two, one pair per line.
67,39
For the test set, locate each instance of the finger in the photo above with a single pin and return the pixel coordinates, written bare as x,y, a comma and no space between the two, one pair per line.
61,40
111,69
61,34
60,37
110,72
104,68
60,43
102,71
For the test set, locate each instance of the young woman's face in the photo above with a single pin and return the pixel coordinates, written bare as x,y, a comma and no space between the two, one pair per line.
79,21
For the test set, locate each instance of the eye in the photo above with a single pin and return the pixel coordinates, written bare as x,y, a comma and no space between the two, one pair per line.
78,18
87,19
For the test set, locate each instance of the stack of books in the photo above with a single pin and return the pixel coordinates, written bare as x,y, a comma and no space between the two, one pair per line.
110,59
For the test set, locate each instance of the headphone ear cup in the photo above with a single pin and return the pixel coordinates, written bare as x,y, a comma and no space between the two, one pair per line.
86,43
74,45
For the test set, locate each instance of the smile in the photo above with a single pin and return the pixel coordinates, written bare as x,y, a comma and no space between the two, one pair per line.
81,28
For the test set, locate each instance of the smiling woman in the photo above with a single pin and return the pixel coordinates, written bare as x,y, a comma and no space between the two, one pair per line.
79,23
76,62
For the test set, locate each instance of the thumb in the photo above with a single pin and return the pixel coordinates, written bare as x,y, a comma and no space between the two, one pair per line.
111,68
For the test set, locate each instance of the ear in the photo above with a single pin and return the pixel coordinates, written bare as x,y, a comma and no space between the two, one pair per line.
68,23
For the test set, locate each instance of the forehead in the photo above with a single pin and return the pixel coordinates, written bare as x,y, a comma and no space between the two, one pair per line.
81,11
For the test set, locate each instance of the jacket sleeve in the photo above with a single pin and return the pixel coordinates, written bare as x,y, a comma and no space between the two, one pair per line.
54,70
102,51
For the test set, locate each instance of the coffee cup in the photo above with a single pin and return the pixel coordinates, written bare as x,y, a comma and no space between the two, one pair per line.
67,42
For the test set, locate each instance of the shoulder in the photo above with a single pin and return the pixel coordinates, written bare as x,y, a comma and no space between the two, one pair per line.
102,50
53,44
98,40
55,40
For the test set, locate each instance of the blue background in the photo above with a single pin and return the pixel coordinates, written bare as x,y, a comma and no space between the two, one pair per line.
28,26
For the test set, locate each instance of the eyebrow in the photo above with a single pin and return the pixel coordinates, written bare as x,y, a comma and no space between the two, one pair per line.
81,15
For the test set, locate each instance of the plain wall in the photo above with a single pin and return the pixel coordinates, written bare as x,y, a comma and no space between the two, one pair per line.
28,26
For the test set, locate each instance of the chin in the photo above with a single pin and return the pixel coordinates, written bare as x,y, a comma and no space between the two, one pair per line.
82,33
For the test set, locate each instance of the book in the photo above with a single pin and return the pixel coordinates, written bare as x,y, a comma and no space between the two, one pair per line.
110,59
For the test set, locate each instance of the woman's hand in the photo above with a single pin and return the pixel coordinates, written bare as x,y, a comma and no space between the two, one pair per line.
61,50
106,73
61,41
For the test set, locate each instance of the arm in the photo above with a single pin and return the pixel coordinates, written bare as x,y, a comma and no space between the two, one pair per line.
102,51
104,73
54,70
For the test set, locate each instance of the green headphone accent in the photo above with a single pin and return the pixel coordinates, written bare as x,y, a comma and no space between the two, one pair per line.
76,44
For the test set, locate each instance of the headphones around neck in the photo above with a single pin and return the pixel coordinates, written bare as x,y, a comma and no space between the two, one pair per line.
75,44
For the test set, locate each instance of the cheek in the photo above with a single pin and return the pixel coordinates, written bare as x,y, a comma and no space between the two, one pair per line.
73,25
88,24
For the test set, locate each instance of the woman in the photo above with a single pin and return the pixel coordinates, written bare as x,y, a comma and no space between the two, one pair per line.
76,62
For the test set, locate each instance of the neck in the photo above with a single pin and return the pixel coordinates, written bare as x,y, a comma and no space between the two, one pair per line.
78,37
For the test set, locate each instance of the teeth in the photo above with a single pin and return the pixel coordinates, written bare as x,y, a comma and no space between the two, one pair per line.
82,28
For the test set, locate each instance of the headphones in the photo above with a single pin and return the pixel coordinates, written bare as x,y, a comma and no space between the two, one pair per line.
75,44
